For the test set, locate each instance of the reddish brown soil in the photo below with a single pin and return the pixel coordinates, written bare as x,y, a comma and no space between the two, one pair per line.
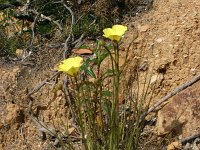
168,43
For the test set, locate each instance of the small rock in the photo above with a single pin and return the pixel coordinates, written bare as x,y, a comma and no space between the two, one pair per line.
181,115
15,115
153,79
174,146
197,140
180,137
194,146
159,40
19,53
156,79
195,13
193,71
185,55
144,66
143,28
187,146
59,93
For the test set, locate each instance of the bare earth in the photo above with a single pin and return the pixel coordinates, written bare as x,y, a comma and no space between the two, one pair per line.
168,43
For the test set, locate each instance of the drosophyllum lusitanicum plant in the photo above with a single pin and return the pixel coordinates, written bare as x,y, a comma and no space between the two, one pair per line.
94,106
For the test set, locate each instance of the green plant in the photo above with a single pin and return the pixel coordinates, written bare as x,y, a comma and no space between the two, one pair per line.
11,34
90,24
8,46
94,98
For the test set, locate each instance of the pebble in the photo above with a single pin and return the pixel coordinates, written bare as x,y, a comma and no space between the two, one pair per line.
159,40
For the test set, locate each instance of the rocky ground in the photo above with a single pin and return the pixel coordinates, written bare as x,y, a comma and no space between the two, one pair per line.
167,46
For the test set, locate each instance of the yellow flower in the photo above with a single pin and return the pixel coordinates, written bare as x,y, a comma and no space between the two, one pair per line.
71,66
115,33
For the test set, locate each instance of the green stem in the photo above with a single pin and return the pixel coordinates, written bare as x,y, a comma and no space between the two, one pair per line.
114,138
80,117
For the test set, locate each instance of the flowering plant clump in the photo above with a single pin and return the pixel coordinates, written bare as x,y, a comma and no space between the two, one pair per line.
115,33
71,66
101,119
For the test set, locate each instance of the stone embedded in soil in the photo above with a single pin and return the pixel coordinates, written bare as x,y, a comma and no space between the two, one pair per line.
156,80
181,115
15,115
144,65
174,146
143,28
159,40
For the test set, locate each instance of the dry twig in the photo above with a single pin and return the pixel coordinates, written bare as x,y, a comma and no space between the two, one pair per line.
190,138
32,39
40,85
72,23
47,18
42,127
177,90
165,98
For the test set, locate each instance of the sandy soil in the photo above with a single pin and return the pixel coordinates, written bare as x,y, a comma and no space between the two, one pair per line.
167,46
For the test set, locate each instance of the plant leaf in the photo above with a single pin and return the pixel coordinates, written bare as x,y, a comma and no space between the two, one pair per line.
106,93
88,70
83,51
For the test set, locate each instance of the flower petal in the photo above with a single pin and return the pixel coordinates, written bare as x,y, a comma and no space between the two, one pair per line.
63,67
115,33
73,71
117,38
71,66
119,29
108,32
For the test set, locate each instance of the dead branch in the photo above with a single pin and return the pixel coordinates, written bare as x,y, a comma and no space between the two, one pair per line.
71,103
42,127
32,39
40,85
33,26
190,138
72,23
39,124
165,98
47,18
70,34
5,6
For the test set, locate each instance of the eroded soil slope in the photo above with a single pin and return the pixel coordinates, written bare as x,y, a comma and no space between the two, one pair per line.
168,43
